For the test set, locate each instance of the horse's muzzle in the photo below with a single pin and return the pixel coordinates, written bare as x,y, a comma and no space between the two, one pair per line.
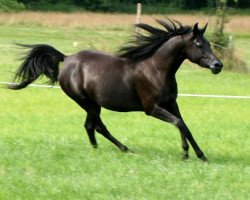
216,67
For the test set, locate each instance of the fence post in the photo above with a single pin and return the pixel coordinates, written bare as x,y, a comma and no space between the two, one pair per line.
138,14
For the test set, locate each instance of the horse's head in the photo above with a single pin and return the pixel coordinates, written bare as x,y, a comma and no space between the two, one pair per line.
198,50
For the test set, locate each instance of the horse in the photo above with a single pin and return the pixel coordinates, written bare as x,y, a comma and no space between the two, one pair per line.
140,77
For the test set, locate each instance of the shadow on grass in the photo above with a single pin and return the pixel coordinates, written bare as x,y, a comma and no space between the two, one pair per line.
230,159
172,153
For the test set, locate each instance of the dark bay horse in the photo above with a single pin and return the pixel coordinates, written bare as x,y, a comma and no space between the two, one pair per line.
140,78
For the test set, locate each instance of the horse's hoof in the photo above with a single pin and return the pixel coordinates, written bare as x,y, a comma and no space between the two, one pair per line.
204,159
131,152
124,149
185,155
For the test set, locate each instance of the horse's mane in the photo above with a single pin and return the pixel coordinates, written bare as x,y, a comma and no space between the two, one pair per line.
144,46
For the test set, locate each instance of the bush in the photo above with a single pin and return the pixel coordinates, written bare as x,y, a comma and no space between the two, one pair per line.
231,60
10,5
223,42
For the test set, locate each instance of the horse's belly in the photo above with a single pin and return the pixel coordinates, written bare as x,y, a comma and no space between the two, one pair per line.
123,108
120,100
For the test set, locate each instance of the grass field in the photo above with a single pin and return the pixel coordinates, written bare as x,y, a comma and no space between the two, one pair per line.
45,152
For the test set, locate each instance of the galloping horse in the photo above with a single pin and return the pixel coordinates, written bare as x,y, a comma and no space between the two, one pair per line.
140,78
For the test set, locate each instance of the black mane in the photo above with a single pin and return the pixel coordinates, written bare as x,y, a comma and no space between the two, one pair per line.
144,46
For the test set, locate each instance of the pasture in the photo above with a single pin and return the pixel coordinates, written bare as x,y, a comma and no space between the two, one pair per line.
47,155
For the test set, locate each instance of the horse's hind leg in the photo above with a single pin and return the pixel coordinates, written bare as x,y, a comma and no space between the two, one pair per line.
93,111
93,122
90,128
101,128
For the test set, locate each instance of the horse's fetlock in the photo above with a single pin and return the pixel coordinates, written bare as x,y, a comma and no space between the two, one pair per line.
185,148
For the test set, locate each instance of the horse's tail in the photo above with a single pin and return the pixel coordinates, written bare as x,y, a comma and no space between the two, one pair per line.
41,59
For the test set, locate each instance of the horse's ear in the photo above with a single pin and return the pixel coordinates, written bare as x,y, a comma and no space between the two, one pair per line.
202,31
196,30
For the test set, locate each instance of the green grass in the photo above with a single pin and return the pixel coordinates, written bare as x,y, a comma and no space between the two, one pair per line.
45,152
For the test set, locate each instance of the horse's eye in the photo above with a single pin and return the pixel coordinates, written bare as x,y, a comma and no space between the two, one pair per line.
198,44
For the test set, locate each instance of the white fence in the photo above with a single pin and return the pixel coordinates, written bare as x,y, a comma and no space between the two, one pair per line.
182,95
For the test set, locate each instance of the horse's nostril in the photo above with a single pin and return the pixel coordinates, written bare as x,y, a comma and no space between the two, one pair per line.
216,67
218,64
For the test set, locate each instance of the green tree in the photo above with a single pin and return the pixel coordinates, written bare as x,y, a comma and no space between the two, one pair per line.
11,5
223,42
219,37
243,3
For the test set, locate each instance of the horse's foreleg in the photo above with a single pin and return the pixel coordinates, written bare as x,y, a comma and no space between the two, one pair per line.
174,109
101,128
165,115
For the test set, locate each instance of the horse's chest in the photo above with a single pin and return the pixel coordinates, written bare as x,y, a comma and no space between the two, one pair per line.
168,92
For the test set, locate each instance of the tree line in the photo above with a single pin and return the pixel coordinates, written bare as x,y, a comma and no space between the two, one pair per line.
151,6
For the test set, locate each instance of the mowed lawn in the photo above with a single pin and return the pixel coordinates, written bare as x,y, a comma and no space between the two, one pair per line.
45,152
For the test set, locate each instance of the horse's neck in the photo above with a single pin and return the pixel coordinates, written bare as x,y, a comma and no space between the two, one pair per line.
170,55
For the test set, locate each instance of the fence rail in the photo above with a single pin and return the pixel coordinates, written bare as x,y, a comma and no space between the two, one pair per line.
182,95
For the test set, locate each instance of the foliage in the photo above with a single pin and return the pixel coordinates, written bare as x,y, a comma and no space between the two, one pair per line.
224,46
219,37
161,6
243,3
11,5
126,6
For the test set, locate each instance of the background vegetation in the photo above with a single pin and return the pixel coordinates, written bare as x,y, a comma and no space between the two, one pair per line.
127,6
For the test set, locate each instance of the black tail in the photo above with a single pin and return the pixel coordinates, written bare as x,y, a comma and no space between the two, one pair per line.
41,59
